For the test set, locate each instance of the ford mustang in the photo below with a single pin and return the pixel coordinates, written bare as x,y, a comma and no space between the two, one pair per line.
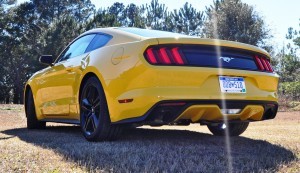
109,78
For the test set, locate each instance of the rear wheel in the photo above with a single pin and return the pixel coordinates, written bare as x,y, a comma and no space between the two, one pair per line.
234,129
32,121
94,116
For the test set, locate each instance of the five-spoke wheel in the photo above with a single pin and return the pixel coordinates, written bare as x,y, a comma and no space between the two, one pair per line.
90,109
94,116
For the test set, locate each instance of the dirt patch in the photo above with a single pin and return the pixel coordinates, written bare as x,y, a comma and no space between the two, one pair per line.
268,146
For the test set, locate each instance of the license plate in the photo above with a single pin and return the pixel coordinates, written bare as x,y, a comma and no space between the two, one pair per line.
232,84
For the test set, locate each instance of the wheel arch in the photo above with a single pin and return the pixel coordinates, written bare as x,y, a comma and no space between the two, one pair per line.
26,91
84,79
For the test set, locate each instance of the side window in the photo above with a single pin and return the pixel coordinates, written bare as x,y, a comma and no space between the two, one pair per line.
77,48
99,41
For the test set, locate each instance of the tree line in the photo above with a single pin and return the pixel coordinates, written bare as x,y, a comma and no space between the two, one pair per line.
37,27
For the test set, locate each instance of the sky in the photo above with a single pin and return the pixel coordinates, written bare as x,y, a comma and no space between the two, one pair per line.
279,15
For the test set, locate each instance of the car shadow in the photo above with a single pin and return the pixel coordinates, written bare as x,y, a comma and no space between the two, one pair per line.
157,150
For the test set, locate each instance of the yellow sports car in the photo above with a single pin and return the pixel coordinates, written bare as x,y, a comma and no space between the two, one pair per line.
109,78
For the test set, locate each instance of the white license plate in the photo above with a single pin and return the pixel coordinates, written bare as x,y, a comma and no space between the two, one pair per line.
232,84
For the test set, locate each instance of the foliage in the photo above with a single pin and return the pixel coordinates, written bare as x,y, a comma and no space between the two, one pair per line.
236,21
31,29
38,27
290,90
288,60
188,20
156,15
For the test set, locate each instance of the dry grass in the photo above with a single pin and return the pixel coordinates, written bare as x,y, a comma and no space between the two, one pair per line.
269,146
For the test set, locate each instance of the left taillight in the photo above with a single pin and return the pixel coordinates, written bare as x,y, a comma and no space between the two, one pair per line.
164,56
263,63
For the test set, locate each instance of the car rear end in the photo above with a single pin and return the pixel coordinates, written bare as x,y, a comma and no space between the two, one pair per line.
183,80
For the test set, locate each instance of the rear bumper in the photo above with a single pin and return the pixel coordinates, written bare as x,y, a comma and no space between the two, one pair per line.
155,84
205,111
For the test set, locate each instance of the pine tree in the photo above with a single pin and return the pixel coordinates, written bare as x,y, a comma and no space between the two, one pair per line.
156,14
236,21
188,20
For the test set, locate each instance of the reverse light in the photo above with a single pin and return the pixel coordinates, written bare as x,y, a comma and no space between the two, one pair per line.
230,111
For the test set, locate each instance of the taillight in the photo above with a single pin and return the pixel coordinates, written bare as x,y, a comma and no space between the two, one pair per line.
150,56
177,57
259,63
263,63
269,65
164,56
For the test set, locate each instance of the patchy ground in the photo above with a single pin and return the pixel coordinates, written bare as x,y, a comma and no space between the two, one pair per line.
269,146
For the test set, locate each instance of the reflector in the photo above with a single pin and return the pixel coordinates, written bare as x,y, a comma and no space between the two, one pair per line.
125,101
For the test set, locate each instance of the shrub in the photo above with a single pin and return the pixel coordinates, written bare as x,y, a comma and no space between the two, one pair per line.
290,90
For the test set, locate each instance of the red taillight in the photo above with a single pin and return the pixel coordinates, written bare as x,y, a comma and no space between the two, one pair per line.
177,57
263,64
259,63
269,65
164,56
151,56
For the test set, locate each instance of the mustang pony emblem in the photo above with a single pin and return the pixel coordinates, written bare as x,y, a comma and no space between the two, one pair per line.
226,59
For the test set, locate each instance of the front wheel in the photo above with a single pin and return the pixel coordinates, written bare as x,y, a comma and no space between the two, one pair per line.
234,129
94,116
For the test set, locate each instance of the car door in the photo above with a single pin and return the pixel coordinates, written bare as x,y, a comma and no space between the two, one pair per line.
58,82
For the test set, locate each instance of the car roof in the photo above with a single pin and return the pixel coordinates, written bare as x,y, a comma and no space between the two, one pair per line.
130,34
151,33
137,33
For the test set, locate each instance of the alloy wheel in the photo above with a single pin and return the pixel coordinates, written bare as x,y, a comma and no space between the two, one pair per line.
90,109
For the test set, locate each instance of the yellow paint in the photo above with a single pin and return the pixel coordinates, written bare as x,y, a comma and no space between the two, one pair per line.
213,112
128,75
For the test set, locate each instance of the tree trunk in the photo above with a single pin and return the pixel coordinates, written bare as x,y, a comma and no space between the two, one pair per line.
7,99
22,97
16,97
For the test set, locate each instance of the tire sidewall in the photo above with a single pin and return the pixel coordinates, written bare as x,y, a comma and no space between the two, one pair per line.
104,115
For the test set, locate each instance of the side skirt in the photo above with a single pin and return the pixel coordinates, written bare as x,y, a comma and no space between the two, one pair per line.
66,121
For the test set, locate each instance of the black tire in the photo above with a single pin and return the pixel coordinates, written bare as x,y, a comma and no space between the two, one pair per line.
32,121
234,129
94,116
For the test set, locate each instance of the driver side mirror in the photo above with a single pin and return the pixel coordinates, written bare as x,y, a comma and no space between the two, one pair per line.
46,59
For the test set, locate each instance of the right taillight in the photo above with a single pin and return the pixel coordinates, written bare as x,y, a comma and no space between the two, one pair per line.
263,63
164,56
